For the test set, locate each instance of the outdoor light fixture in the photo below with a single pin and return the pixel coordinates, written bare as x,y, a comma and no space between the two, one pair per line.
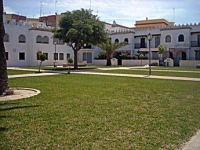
55,43
55,58
149,37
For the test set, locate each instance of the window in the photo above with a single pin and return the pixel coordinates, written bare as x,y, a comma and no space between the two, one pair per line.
22,39
157,41
168,39
181,38
68,55
6,38
21,56
39,39
55,56
61,56
126,40
116,41
197,55
6,55
142,43
46,55
45,40
59,42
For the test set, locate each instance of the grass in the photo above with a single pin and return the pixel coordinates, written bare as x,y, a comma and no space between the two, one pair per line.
100,112
16,72
153,72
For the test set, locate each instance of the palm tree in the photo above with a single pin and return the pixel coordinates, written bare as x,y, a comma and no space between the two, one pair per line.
161,50
109,48
3,65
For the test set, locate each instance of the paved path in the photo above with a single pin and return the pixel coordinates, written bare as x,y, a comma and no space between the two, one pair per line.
141,76
31,75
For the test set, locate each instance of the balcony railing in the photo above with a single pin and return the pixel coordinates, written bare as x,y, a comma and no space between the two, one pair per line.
195,43
140,45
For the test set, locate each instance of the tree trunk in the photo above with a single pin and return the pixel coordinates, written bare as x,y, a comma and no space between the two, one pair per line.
75,59
108,61
3,65
40,66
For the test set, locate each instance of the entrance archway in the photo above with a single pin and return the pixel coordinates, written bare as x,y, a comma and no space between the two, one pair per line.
183,56
171,55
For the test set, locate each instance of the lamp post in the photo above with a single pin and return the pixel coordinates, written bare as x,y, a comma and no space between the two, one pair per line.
55,58
149,37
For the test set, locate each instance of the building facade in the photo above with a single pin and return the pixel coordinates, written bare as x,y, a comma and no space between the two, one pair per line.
23,40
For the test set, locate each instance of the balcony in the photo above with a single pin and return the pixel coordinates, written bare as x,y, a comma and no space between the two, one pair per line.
140,45
195,43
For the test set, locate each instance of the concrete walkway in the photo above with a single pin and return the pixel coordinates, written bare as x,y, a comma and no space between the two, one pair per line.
31,75
141,76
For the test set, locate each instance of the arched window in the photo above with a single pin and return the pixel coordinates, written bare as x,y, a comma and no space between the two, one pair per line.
126,40
45,40
181,38
6,38
57,41
39,39
116,41
168,38
22,39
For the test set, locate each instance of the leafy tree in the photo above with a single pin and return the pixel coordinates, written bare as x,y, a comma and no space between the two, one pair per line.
3,65
80,27
42,57
109,48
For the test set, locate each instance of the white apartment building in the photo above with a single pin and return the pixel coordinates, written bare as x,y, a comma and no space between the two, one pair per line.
23,41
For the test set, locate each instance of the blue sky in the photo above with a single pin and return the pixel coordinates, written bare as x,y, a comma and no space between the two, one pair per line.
124,12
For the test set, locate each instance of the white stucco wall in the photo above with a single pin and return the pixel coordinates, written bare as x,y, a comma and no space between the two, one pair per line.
13,47
174,33
30,48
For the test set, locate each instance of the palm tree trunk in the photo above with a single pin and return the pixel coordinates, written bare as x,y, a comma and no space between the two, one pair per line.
3,65
75,59
108,61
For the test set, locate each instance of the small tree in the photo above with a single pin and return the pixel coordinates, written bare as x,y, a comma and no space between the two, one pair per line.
70,61
42,57
109,48
161,50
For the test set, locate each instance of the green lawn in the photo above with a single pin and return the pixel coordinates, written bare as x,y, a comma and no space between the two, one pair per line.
153,72
15,72
100,112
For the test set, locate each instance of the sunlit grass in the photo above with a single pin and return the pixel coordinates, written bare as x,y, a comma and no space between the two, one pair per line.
100,112
16,72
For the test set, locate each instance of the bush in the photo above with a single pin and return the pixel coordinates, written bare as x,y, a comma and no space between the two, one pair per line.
70,60
102,55
154,64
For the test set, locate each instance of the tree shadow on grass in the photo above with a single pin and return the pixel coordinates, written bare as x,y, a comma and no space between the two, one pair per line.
3,104
4,129
18,107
